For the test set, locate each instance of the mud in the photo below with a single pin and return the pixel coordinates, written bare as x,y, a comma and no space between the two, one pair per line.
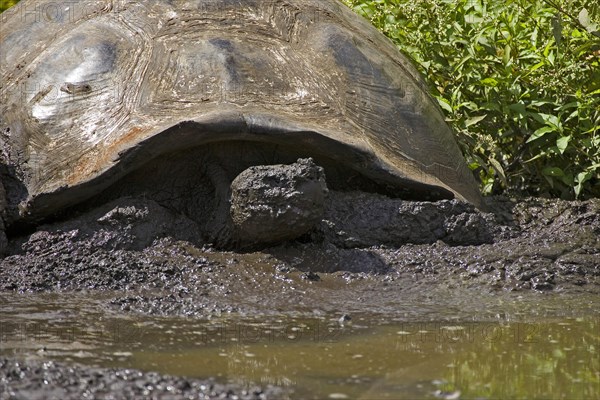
137,246
369,255
37,380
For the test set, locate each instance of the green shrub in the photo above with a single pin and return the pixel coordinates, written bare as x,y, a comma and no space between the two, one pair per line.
518,80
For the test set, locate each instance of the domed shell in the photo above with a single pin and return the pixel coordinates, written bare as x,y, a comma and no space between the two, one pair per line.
93,89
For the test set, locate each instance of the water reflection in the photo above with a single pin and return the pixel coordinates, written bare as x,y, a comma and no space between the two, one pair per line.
322,356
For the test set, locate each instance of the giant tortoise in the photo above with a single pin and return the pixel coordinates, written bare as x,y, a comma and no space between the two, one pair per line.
102,98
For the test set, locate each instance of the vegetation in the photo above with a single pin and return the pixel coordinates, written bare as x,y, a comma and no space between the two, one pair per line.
518,80
4,4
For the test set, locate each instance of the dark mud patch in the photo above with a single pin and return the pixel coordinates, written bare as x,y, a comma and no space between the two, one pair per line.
40,380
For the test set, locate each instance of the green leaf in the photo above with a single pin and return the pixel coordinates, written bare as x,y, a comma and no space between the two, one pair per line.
584,18
581,178
491,82
491,107
577,188
553,171
474,120
469,105
474,165
444,104
546,51
557,29
472,19
496,165
593,29
535,67
567,179
506,57
539,155
548,119
538,103
556,172
540,132
573,104
562,143
519,108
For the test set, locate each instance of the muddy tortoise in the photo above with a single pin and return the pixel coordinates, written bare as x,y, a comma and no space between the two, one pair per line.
102,98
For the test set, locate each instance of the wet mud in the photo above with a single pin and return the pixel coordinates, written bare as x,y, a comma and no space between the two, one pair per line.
369,255
36,380
143,249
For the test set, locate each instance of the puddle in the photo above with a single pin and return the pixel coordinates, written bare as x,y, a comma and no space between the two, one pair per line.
552,353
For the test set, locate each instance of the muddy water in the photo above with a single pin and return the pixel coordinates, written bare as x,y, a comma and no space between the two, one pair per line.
532,349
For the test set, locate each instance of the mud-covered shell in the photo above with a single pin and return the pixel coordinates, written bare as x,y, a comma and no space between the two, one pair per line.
91,89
